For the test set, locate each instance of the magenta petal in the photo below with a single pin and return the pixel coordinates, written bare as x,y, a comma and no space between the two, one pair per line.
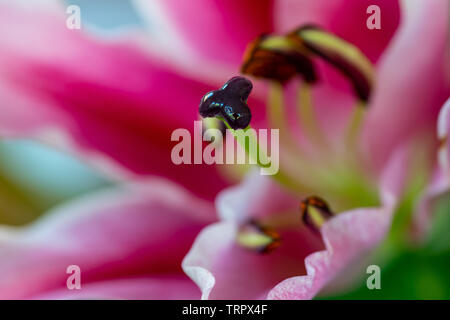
220,29
136,230
410,82
115,101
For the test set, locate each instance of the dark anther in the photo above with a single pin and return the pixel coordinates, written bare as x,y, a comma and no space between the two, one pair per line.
279,63
314,211
276,240
258,238
347,58
229,103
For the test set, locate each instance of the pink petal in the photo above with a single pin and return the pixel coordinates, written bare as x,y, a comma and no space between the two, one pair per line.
441,179
115,101
223,270
349,235
439,185
136,230
220,29
410,81
249,199
148,288
443,132
346,18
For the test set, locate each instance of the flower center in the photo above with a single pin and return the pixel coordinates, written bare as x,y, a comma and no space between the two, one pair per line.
314,165
333,170
263,235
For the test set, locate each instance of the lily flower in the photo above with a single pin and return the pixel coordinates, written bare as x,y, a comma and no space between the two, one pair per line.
116,104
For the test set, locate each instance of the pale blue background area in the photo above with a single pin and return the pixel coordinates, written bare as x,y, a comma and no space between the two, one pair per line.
44,171
107,14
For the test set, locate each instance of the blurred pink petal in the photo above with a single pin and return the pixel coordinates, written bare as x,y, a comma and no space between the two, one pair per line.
223,270
411,86
443,133
438,186
440,182
254,189
132,231
115,101
346,18
138,288
220,29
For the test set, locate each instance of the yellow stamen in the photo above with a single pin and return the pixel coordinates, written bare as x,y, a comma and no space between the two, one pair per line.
258,238
354,127
315,212
308,118
246,140
278,43
335,44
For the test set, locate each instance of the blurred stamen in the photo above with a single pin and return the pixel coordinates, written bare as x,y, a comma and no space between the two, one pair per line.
354,126
229,104
277,58
258,238
315,211
346,57
308,118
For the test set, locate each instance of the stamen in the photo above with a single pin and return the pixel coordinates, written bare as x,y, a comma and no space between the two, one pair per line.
355,124
276,108
443,142
277,58
258,238
315,211
232,98
307,117
344,56
246,139
213,123
277,119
